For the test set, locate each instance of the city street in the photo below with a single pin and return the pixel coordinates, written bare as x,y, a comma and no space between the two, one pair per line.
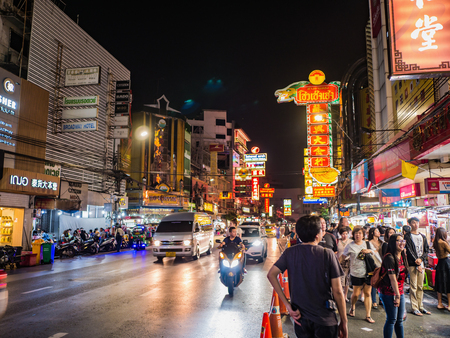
127,294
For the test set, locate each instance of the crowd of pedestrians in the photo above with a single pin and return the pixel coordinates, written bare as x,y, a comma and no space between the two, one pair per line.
373,262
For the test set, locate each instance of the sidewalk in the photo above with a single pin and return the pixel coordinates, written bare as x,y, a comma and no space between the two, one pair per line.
433,326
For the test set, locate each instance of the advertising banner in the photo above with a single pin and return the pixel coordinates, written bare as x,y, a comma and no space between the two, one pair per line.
82,76
360,177
439,185
324,191
79,126
419,34
410,191
80,101
388,164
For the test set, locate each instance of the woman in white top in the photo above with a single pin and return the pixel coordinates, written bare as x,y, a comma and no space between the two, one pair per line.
358,271
344,261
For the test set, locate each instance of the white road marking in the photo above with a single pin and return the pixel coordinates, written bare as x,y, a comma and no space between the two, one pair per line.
59,335
366,329
112,271
47,287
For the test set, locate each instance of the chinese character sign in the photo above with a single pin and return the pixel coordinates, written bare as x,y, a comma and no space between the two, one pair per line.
255,188
420,37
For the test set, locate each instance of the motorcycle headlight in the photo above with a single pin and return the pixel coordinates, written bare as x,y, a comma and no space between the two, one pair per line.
226,263
234,263
187,242
157,243
257,243
221,255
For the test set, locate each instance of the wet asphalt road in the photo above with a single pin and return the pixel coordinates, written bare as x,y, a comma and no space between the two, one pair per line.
127,294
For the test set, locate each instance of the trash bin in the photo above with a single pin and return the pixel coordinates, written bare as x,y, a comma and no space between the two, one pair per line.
28,260
37,249
48,253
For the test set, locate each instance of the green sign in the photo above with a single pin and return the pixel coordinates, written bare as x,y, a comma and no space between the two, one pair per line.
77,101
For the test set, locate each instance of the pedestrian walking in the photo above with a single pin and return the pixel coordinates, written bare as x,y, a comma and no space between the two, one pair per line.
442,284
119,237
358,271
374,239
328,240
388,232
394,269
343,260
314,279
416,252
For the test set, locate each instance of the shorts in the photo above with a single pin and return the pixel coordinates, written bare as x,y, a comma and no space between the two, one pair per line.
359,281
345,279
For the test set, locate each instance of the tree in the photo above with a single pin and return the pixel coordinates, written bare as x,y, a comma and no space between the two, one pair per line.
230,216
325,213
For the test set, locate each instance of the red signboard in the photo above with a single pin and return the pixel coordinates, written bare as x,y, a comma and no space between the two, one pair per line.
419,32
324,191
216,147
388,164
319,151
319,129
375,14
269,190
319,162
267,204
255,188
258,172
318,118
318,140
317,94
410,191
317,108
265,195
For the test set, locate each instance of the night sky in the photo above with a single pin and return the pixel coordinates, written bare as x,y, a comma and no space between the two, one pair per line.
232,58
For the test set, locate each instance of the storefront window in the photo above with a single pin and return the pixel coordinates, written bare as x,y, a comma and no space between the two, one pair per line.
11,226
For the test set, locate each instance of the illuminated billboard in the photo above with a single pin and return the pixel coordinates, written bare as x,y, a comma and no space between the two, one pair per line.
419,37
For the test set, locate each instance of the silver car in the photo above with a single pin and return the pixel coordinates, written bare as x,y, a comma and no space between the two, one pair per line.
255,241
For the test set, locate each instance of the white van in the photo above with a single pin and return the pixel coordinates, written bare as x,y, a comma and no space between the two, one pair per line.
184,234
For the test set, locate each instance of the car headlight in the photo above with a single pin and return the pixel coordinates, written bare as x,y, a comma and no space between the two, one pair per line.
234,263
187,242
226,264
257,243
157,243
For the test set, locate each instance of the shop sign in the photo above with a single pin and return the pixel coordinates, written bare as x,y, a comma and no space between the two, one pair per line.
311,93
255,188
123,96
322,200
52,169
208,207
9,85
79,126
123,85
389,196
375,14
318,118
225,195
266,205
246,210
419,34
431,134
319,151
121,133
319,162
265,194
360,177
154,198
439,185
121,120
21,181
319,140
324,191
287,207
255,157
318,129
123,202
256,165
410,191
87,113
79,101
82,76
216,147
258,172
388,165
267,190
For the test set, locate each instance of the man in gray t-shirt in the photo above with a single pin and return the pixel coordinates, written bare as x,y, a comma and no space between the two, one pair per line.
314,277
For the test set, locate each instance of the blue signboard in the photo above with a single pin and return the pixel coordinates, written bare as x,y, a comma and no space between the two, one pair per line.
321,200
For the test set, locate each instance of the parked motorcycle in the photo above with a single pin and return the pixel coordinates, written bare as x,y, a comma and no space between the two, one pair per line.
108,244
231,260
69,249
9,256
89,246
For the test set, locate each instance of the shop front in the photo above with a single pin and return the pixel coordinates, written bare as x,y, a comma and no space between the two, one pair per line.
17,188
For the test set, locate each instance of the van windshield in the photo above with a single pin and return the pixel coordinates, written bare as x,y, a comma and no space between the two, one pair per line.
175,226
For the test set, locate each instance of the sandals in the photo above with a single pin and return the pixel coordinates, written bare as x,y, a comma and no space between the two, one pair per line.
417,313
370,320
351,313
442,308
375,306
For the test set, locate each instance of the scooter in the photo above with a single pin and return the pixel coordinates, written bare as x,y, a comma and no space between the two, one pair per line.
138,244
231,262
7,257
67,249
89,246
108,244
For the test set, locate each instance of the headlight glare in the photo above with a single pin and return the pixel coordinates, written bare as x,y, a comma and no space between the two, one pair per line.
226,263
257,243
187,242
234,263
157,243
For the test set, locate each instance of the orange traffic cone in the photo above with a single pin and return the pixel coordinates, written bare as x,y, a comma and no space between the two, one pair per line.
265,327
286,285
283,309
275,318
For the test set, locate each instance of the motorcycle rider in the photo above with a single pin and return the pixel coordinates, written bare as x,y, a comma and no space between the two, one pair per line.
233,238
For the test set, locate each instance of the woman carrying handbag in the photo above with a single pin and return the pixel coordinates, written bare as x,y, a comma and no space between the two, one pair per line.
393,273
